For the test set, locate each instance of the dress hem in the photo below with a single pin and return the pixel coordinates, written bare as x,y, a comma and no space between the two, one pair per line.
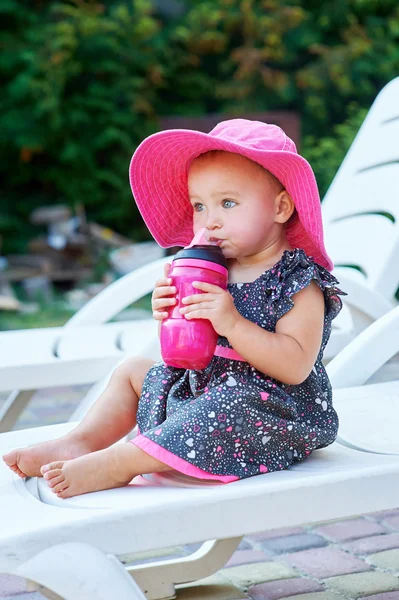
177,463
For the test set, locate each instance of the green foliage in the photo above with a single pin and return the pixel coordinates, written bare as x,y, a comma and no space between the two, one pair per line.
84,81
50,317
325,154
310,56
78,82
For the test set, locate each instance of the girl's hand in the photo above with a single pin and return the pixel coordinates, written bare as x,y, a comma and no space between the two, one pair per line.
161,296
215,304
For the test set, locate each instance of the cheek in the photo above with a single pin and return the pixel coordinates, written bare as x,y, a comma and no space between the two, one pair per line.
241,230
249,233
261,224
198,221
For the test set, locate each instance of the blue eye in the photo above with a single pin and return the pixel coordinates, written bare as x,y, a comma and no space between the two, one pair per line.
198,207
228,203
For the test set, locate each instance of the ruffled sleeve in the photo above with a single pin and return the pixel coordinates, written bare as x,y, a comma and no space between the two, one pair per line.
293,273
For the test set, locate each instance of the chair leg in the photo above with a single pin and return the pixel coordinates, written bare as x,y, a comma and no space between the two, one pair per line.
80,571
158,579
13,407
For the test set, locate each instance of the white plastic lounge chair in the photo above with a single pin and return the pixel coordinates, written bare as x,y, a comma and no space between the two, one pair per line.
69,546
361,220
361,217
82,351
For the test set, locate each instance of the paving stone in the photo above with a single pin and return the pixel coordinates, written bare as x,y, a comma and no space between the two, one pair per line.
52,405
363,584
385,560
247,575
392,522
153,555
316,596
325,562
274,533
245,557
385,514
274,590
351,529
293,543
386,596
32,596
318,524
373,544
211,588
244,544
11,585
41,591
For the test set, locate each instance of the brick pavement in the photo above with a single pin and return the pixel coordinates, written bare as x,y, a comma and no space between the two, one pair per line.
347,559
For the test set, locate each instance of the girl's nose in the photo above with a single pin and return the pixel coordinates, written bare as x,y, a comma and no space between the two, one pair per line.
212,221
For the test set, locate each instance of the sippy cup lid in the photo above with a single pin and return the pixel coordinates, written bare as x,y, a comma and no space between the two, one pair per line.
200,248
203,252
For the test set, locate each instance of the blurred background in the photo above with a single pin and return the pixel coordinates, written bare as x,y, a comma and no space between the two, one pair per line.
83,82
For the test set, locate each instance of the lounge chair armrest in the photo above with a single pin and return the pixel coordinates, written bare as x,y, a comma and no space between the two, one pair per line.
360,359
362,297
119,294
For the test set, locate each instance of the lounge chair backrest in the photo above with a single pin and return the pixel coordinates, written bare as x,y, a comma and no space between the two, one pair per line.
361,207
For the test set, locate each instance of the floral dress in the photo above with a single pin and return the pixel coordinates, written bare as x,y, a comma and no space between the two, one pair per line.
231,421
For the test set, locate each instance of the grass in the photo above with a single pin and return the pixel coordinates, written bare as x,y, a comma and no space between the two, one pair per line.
51,315
47,316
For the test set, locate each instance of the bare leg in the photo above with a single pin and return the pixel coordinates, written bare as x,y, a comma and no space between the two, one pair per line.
111,418
109,468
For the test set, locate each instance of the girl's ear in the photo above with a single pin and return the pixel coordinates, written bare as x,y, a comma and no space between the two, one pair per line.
284,207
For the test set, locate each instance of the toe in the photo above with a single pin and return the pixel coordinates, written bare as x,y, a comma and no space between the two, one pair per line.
51,467
51,474
10,458
64,494
18,471
55,480
60,487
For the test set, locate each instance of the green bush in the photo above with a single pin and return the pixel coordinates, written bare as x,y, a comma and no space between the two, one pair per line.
314,57
78,88
325,60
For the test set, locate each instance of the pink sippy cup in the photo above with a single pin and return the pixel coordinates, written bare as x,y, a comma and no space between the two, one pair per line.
190,344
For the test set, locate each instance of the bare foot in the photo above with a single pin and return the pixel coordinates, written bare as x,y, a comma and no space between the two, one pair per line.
28,461
109,468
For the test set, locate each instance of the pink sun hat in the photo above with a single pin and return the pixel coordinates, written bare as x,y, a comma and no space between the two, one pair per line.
158,178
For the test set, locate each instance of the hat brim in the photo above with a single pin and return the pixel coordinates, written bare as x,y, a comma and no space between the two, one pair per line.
158,178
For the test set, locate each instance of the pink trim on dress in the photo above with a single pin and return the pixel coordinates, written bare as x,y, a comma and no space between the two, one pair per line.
228,353
177,463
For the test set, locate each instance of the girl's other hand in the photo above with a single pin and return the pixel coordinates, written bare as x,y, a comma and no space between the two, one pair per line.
214,304
161,296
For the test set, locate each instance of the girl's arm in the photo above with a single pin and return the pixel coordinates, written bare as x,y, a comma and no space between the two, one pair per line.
290,353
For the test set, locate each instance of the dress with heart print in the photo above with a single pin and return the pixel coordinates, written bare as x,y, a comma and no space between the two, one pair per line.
231,421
